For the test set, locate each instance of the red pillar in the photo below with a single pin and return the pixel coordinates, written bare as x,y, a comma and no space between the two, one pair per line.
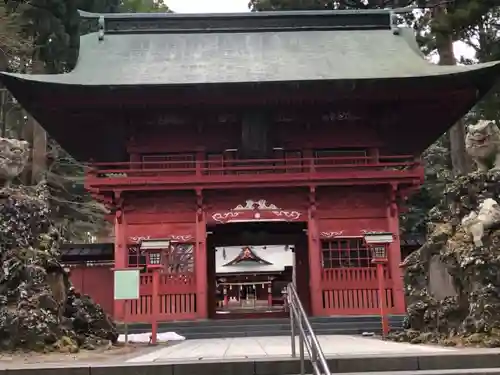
120,256
155,305
201,261
314,252
395,257
382,300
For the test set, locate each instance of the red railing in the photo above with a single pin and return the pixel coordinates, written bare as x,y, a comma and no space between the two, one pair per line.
177,299
225,170
354,291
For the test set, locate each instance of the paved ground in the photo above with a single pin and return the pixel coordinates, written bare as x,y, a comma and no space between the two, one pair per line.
272,347
115,354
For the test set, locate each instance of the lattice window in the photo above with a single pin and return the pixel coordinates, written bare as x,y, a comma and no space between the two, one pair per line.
215,163
345,252
343,154
179,258
170,161
135,258
291,159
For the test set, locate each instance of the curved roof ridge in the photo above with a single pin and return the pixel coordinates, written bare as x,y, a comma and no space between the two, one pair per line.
279,20
215,58
282,13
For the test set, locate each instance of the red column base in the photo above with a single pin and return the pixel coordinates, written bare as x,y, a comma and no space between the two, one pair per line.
156,305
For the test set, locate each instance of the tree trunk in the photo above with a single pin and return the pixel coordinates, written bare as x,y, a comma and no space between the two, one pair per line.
4,64
37,137
460,161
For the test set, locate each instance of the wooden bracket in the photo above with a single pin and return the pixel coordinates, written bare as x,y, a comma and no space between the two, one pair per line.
312,201
118,198
199,204
119,216
393,204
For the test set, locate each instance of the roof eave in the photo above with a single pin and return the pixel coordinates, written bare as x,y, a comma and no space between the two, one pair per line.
10,80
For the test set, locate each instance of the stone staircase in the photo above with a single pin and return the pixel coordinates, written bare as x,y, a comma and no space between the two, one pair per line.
337,325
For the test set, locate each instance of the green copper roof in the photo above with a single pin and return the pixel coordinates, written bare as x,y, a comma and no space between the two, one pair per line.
256,56
166,62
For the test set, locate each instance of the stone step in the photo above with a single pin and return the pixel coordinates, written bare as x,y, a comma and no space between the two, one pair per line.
266,321
283,326
460,362
477,371
265,333
267,327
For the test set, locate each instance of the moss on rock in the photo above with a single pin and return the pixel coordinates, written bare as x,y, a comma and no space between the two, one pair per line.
471,315
39,308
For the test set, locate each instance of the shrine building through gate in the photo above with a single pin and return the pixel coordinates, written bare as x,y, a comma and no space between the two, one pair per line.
264,146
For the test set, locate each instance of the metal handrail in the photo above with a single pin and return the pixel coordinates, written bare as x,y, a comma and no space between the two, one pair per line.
307,337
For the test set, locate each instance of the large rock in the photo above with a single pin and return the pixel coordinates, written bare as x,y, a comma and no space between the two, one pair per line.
452,283
39,309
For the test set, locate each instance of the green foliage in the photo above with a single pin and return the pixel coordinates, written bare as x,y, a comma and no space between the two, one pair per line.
53,25
436,25
76,214
143,6
42,36
437,176
270,5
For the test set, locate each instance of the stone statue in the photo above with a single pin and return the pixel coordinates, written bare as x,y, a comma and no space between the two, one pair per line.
482,143
14,155
476,224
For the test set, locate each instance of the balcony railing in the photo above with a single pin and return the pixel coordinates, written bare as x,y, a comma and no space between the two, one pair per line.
232,170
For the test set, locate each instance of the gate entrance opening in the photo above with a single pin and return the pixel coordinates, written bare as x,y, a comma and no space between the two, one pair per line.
249,265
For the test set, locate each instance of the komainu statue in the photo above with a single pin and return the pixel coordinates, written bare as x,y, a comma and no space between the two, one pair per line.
482,143
14,155
476,224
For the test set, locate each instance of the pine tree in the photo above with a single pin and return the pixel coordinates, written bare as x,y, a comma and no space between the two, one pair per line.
42,36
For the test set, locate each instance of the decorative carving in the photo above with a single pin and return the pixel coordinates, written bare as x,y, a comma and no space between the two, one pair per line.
332,234
259,209
290,215
226,216
14,155
174,237
137,239
482,143
181,238
371,231
250,204
476,224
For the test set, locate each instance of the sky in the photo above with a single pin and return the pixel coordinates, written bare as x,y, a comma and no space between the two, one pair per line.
229,6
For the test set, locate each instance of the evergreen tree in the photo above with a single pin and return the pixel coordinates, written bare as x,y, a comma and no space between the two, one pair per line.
438,24
42,36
